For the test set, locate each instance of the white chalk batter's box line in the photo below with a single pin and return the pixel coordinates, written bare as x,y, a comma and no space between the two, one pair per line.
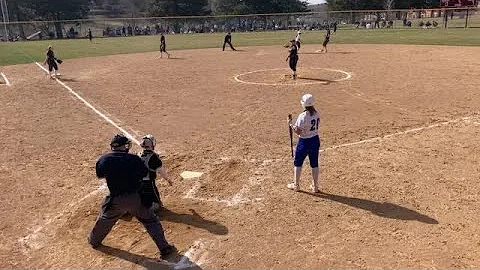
5,79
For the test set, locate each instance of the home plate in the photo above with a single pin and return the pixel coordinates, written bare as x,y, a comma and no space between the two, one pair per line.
189,175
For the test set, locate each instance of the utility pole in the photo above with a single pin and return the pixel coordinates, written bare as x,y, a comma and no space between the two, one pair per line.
3,5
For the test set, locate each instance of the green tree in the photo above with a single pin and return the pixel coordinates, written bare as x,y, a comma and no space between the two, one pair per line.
379,4
54,10
260,6
177,7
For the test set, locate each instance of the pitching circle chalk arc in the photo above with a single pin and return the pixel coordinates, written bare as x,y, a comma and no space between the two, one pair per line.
237,78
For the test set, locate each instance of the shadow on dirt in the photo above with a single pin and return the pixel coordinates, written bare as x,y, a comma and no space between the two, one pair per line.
325,81
174,261
194,220
387,210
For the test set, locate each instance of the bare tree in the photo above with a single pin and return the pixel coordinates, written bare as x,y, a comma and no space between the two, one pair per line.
389,4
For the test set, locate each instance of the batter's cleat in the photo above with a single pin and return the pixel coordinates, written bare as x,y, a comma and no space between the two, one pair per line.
314,190
293,187
165,252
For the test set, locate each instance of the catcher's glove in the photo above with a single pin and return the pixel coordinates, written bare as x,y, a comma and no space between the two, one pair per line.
59,61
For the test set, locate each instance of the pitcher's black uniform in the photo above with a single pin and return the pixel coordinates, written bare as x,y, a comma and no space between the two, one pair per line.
293,56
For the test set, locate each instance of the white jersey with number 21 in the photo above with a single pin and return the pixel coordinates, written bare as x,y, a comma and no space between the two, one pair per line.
309,124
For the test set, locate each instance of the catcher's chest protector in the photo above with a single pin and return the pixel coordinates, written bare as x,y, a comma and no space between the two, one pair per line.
146,159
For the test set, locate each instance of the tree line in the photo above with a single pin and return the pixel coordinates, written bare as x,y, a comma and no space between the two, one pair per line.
380,4
24,10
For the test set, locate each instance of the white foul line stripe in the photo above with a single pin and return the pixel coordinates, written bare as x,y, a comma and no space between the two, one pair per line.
5,79
130,136
413,130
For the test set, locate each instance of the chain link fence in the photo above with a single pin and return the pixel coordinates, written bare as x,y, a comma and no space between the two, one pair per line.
117,27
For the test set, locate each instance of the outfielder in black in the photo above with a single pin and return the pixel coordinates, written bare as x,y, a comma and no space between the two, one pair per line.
90,36
163,46
293,56
228,40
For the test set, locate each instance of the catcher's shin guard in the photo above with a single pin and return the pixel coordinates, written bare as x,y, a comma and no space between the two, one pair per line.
315,173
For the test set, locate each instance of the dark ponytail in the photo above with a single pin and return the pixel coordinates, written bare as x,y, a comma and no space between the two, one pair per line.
311,110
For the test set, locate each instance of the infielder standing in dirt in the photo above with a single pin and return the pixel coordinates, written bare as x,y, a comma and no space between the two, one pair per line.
293,57
52,63
326,41
228,40
306,127
124,173
149,193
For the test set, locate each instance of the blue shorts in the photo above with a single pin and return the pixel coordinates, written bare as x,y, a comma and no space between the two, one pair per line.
307,147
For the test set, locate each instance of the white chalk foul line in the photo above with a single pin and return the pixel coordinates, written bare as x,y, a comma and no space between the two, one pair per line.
7,83
348,76
413,130
106,118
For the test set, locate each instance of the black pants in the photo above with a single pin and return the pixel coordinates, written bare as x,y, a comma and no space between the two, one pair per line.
298,44
293,63
229,43
52,65
163,48
114,208
149,193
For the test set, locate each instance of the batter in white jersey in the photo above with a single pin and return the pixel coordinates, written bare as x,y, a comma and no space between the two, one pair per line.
306,127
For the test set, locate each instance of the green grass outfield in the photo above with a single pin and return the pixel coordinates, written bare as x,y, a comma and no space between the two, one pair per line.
27,52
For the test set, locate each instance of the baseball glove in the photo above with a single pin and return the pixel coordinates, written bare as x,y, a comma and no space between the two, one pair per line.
59,61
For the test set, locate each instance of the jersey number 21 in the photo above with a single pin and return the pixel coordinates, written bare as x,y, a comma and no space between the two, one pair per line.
315,124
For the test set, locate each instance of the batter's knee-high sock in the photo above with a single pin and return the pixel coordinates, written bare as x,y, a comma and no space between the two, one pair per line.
297,173
315,173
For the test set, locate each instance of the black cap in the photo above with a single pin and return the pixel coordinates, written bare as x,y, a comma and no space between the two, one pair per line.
119,140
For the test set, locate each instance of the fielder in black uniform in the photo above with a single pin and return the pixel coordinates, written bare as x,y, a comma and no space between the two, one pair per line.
163,46
149,193
52,63
326,41
124,173
293,56
228,40
90,36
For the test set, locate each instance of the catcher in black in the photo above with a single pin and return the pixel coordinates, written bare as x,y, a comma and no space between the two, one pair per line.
293,56
326,41
149,192
228,40
163,46
52,63
123,173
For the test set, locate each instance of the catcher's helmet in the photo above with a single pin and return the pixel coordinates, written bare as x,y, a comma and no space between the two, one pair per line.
307,100
148,142
120,140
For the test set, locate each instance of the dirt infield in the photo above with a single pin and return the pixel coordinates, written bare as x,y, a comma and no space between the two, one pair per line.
399,170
